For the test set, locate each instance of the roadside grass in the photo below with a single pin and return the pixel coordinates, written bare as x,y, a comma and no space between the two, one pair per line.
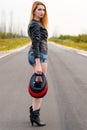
70,43
13,43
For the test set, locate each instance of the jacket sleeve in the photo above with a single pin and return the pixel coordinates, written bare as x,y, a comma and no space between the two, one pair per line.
35,37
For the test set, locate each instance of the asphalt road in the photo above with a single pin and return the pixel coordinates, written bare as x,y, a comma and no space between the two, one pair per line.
65,105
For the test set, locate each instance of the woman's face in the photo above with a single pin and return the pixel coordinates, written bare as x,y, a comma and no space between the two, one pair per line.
39,12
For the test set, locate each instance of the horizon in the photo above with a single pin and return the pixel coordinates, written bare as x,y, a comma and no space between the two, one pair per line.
66,18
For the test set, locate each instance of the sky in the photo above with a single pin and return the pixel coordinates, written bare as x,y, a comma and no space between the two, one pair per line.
67,17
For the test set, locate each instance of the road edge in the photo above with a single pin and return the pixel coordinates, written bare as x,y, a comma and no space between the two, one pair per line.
81,52
6,53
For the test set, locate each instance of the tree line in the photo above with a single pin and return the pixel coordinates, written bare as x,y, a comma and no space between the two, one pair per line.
10,35
75,38
78,38
9,30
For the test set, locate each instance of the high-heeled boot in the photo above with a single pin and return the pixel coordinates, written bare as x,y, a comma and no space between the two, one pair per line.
35,118
30,111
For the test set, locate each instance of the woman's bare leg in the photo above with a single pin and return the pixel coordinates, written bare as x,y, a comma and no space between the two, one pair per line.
36,102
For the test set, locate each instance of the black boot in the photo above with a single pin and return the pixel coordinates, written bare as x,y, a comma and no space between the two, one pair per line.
34,117
30,110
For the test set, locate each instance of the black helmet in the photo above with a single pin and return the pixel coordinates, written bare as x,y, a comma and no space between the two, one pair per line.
38,89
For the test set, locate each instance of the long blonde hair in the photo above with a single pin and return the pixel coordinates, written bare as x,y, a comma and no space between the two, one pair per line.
44,20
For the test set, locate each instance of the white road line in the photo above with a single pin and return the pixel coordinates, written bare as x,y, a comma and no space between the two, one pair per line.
82,53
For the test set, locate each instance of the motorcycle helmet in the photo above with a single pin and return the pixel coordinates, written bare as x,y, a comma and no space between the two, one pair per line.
38,89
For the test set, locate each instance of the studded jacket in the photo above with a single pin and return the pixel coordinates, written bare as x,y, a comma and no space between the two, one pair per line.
38,35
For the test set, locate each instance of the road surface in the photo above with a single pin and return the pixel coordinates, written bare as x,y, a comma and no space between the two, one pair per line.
65,105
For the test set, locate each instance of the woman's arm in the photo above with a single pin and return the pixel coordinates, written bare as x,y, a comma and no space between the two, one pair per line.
38,68
34,31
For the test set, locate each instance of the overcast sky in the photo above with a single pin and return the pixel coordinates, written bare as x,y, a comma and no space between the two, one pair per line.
65,16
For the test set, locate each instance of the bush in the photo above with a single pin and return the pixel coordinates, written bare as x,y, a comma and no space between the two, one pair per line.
9,35
79,38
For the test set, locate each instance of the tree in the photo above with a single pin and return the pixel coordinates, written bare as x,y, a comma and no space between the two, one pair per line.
3,22
11,22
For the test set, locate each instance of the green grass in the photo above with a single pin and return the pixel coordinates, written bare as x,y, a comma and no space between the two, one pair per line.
13,43
70,43
80,45
9,44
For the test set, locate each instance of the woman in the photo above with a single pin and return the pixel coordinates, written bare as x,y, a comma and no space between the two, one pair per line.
38,53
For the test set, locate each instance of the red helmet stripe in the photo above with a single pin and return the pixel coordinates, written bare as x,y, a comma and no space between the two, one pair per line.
38,95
